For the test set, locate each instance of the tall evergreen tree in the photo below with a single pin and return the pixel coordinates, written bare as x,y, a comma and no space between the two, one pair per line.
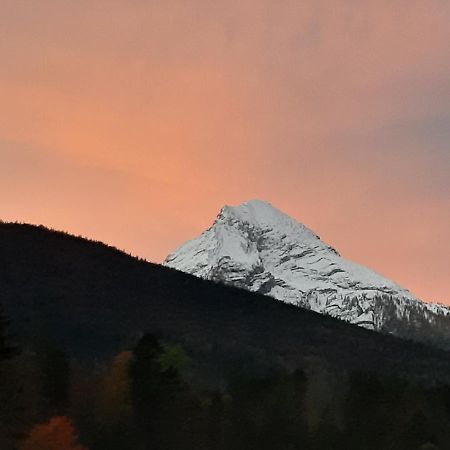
146,394
164,410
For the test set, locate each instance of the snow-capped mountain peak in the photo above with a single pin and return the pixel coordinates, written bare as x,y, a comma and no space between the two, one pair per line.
263,215
257,247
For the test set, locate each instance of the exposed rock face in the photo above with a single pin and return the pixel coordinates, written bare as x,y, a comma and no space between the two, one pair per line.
257,247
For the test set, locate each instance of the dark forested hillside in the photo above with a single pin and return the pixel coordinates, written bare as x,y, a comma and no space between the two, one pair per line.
101,348
95,300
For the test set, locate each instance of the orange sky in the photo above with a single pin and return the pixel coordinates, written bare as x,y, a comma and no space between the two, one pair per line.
134,121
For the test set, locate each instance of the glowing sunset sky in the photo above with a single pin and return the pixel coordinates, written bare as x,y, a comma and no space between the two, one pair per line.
134,121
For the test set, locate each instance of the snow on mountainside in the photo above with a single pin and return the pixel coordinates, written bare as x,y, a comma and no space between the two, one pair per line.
257,247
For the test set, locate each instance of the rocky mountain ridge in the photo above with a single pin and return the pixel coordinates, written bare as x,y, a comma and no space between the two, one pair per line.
257,247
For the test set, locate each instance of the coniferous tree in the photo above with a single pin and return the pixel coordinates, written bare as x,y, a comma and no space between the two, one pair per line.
165,411
147,391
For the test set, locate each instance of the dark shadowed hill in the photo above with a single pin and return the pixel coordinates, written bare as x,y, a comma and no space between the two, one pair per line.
96,300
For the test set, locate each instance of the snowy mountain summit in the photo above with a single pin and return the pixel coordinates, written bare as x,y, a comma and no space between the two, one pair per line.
257,247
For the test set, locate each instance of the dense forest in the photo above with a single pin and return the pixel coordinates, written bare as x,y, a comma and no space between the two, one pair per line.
102,351
142,400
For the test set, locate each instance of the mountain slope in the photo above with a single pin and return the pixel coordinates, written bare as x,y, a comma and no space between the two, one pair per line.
95,301
257,247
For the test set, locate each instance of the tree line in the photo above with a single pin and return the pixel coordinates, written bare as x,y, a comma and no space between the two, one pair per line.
144,400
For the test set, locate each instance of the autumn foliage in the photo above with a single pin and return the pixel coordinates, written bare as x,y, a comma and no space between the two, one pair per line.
114,403
57,434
